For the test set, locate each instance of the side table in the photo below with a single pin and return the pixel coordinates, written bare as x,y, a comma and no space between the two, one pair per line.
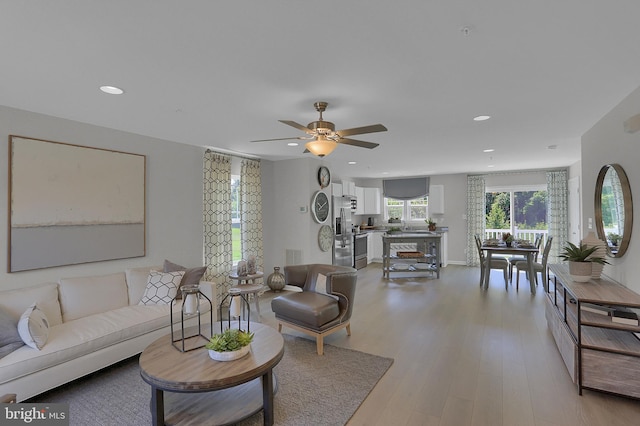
249,289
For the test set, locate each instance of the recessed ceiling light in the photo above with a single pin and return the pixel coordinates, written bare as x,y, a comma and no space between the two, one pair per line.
293,144
352,162
490,165
385,173
488,150
481,118
112,90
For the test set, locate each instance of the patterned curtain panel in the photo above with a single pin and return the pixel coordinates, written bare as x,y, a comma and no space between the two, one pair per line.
251,210
475,216
557,211
217,219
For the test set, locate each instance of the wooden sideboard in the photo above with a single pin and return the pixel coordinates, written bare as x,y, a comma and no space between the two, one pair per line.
600,354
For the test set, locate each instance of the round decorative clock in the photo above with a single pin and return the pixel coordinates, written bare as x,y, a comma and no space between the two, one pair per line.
324,177
325,238
320,207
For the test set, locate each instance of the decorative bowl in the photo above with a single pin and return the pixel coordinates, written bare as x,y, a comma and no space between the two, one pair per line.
229,356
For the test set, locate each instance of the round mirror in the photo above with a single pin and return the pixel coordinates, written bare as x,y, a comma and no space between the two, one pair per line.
614,209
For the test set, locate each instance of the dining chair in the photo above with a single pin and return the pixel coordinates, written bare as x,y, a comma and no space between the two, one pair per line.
514,259
538,268
496,263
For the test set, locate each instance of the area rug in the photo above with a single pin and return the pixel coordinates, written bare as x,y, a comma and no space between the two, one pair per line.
312,389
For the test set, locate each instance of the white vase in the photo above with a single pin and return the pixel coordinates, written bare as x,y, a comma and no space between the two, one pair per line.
580,271
592,241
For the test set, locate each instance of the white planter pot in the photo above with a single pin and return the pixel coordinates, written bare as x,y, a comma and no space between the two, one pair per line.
229,356
580,271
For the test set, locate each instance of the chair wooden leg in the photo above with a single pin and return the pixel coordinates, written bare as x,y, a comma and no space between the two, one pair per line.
348,329
279,327
517,279
506,279
319,344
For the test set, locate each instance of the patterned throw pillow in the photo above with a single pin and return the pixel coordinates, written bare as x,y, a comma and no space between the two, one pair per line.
33,327
161,288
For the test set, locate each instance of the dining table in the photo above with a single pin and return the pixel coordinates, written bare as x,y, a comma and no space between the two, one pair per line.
527,250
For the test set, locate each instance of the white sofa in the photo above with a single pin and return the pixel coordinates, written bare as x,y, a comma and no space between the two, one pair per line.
93,322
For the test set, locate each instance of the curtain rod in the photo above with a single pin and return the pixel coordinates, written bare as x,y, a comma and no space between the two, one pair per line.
520,172
233,154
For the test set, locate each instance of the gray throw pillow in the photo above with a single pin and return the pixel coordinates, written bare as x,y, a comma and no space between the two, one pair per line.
192,276
9,337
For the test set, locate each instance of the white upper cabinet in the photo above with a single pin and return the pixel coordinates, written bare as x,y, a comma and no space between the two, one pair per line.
348,188
368,200
436,199
371,200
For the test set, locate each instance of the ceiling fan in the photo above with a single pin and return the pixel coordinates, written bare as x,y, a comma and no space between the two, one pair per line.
322,136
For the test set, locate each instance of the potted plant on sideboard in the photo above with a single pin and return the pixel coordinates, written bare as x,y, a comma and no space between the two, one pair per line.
580,260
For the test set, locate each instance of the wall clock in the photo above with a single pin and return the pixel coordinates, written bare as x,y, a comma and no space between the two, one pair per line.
325,238
320,207
324,176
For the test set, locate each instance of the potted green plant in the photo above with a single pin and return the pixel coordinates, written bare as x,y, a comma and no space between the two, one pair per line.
431,223
581,260
507,238
229,345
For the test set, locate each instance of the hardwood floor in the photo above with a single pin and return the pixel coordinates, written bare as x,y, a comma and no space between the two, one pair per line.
464,356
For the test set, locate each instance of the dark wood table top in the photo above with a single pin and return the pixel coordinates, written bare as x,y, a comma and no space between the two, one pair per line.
166,368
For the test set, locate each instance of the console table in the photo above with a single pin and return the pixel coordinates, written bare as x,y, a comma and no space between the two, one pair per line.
600,354
427,252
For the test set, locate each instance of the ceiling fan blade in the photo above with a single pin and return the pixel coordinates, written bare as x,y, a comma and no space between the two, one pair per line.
361,144
278,139
296,125
362,130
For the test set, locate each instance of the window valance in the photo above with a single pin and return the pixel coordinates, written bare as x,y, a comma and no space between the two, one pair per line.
406,188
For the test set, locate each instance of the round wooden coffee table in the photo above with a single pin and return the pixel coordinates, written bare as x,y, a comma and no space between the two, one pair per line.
203,391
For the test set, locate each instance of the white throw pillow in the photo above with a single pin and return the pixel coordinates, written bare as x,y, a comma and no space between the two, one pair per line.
161,288
33,327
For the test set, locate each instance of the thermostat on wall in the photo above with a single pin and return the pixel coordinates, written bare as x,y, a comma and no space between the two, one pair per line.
304,209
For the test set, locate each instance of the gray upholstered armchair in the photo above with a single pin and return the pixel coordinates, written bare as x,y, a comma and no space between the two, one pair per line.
314,311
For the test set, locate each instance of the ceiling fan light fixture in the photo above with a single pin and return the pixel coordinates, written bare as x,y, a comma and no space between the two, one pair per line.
321,146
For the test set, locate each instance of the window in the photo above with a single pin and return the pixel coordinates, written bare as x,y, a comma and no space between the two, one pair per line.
236,243
416,210
522,211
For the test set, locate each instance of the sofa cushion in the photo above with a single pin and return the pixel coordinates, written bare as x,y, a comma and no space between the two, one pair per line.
83,336
84,296
15,302
137,282
33,327
306,308
162,287
10,339
192,276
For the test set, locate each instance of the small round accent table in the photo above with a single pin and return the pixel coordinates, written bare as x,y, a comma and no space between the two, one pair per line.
191,388
249,289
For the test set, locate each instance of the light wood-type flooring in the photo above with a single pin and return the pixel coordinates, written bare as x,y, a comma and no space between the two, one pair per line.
463,355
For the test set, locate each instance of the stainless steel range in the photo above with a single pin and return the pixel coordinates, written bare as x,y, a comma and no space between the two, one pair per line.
360,250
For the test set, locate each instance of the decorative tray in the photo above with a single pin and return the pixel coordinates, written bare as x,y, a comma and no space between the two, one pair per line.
409,254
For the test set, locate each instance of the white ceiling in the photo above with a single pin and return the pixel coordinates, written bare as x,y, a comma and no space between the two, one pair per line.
221,74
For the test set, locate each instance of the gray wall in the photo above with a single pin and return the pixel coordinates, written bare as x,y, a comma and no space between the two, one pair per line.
173,199
605,143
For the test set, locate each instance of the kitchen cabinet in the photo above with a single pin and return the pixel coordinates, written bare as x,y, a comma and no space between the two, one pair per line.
368,200
371,200
436,199
599,354
348,188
